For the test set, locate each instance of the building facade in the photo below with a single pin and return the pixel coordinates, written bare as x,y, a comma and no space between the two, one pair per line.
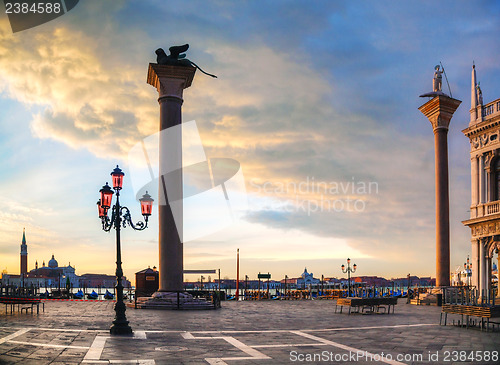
484,135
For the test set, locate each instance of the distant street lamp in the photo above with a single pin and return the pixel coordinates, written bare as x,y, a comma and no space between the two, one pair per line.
349,270
120,217
468,271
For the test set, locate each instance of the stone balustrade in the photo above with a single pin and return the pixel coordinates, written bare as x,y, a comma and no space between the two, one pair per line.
491,108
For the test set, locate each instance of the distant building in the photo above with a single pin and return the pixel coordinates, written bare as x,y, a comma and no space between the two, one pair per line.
55,276
53,273
101,280
306,279
484,222
372,281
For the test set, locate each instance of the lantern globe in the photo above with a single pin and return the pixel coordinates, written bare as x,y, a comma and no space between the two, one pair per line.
146,204
106,196
102,211
117,176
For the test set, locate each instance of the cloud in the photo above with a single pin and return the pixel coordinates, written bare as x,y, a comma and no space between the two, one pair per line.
87,102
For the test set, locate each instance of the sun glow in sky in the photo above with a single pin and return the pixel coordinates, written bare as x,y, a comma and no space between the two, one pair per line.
306,91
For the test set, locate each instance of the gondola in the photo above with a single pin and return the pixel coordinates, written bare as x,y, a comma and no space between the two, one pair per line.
78,295
108,295
92,295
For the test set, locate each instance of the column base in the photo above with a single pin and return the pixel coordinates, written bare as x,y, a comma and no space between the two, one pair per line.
176,300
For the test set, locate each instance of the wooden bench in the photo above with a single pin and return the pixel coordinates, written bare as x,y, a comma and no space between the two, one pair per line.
28,303
367,305
483,312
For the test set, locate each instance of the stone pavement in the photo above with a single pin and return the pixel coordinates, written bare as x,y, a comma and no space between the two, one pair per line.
266,332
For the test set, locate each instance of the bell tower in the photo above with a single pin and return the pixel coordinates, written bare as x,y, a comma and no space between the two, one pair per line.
24,255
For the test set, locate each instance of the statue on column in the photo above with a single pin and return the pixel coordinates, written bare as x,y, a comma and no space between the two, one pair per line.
479,94
437,84
177,57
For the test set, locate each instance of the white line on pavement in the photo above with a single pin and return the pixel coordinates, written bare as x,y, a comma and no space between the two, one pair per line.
96,348
289,345
254,354
343,347
48,345
14,335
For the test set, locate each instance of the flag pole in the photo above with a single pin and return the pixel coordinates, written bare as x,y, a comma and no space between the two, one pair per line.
237,274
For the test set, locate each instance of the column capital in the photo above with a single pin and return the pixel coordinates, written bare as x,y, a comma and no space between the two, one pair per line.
170,81
439,110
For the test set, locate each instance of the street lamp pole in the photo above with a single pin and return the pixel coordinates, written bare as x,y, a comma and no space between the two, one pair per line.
120,217
349,270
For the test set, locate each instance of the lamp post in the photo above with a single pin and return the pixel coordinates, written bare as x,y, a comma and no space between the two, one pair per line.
349,270
120,216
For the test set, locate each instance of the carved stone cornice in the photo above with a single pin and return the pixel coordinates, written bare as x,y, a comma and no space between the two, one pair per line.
484,227
170,81
439,110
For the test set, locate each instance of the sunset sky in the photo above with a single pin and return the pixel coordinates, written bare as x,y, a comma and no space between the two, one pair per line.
307,92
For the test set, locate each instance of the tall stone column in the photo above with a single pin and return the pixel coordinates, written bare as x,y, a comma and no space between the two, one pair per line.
474,187
475,262
482,180
170,81
439,110
482,268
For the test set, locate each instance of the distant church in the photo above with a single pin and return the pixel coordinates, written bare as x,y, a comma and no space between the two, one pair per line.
484,135
54,275
45,276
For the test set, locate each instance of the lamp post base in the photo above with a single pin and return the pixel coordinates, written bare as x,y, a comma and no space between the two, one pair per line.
121,328
120,324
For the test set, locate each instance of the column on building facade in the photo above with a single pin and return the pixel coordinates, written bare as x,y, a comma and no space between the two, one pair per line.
482,268
475,263
481,180
498,271
489,260
474,187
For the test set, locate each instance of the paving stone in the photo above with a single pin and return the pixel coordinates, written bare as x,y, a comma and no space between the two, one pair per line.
230,332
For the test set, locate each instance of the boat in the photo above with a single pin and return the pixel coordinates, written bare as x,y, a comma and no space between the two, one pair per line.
108,295
92,295
78,295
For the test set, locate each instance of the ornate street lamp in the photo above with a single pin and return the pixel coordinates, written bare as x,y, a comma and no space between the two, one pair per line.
468,271
349,270
120,217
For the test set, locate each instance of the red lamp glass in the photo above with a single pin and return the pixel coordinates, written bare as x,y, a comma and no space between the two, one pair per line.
348,261
343,266
117,176
106,196
146,204
354,266
102,211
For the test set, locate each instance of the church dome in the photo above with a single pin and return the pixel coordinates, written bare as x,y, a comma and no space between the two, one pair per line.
53,262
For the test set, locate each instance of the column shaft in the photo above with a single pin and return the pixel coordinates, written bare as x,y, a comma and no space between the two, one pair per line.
474,187
442,208
170,229
482,180
482,268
